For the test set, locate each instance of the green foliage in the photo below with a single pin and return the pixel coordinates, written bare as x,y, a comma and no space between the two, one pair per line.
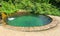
38,6
7,7
58,0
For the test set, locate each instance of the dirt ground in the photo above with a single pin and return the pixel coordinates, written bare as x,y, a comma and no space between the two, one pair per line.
51,32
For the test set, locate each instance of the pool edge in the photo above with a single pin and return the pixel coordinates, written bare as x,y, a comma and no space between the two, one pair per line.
52,24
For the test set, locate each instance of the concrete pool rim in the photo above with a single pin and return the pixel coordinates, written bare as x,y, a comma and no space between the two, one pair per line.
50,25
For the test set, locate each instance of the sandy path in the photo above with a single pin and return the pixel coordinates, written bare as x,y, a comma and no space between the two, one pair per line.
51,32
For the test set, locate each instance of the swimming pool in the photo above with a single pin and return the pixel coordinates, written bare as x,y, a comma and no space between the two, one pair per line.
28,20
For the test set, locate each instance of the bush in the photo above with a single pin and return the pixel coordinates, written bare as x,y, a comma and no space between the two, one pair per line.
36,6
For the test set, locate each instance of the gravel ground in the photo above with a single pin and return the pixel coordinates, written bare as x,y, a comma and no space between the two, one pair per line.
51,32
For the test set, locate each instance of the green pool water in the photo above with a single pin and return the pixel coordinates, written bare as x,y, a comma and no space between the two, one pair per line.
28,20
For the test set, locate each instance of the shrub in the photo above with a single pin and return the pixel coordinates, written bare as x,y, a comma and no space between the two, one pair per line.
36,6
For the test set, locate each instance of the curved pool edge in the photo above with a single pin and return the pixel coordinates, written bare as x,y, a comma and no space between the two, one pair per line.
50,25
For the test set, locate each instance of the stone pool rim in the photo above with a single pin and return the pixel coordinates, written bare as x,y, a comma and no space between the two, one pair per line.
50,25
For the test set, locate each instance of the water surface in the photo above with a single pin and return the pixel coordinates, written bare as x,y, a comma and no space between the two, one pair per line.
28,20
